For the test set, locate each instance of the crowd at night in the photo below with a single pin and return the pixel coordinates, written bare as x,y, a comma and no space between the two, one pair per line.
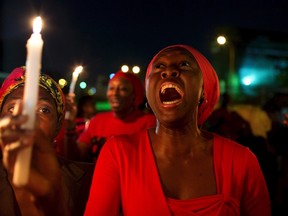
143,107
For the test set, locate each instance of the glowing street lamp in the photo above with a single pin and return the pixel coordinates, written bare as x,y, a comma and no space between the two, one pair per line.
221,40
232,80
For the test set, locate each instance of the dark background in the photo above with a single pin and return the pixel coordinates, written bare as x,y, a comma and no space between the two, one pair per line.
102,35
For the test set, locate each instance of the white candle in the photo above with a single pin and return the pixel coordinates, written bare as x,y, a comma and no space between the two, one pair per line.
31,89
75,75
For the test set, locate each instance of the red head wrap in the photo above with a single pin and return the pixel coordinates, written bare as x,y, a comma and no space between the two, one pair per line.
210,82
17,78
138,87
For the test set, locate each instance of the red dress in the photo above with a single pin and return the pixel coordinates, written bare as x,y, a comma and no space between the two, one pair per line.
105,125
126,179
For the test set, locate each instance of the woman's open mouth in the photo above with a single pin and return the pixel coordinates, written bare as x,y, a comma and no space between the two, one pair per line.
170,94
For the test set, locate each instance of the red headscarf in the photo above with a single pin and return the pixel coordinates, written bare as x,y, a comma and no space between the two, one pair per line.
210,82
138,87
17,78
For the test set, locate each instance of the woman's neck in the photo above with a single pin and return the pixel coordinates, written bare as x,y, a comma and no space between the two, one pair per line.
125,113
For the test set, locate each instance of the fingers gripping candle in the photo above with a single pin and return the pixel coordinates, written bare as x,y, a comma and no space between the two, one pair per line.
33,66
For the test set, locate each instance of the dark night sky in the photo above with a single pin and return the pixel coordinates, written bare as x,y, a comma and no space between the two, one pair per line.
104,34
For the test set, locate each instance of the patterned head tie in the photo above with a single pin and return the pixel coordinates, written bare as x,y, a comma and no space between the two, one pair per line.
17,78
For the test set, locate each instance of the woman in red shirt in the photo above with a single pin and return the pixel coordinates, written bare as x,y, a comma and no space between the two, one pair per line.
176,168
125,95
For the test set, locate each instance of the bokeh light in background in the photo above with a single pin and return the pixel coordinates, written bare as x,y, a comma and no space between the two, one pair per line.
83,85
92,91
103,106
136,69
248,80
62,83
111,75
125,68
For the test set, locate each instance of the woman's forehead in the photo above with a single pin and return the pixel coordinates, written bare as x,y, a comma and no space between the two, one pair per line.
121,81
18,94
173,51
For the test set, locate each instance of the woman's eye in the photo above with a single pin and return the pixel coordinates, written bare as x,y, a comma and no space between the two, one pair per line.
159,66
185,64
123,89
10,109
44,110
110,88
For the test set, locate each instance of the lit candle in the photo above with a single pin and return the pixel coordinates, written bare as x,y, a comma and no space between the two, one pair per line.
31,89
75,75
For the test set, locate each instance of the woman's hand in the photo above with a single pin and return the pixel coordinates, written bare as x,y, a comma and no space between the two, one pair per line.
71,108
43,194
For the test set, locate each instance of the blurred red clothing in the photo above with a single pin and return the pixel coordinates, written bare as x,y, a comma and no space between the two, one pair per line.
104,125
80,125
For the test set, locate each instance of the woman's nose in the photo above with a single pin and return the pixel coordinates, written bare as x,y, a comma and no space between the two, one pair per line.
170,73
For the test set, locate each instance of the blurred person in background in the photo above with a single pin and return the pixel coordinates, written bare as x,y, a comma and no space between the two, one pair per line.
276,108
80,113
86,109
125,94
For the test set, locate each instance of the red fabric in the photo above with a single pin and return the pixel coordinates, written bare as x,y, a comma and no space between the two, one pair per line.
137,86
210,79
11,82
126,177
104,125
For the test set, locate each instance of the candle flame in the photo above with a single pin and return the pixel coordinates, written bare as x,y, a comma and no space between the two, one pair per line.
37,25
78,70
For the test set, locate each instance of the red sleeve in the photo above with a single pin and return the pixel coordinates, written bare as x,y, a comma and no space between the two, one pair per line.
255,200
104,198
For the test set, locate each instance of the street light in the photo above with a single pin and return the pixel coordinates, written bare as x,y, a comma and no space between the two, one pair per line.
221,40
232,83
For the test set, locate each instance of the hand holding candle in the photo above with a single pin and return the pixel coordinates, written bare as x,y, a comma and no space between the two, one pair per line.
33,66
